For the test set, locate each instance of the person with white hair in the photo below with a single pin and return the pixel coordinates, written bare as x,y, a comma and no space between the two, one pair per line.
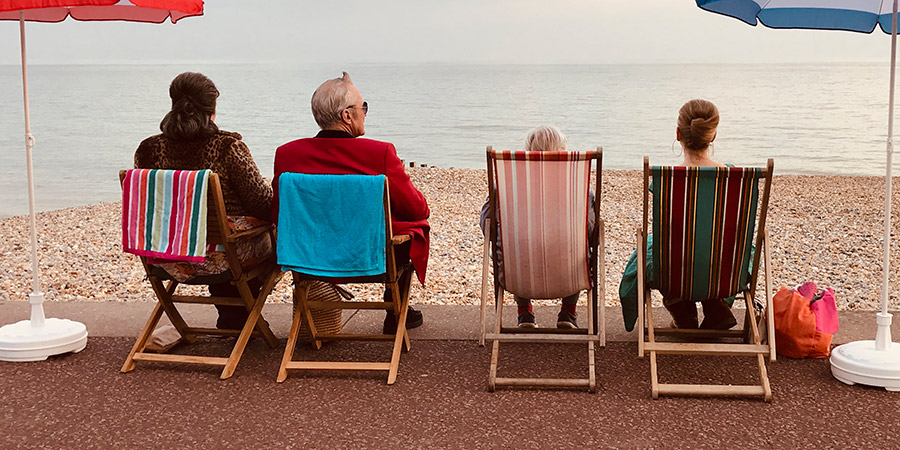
541,139
340,111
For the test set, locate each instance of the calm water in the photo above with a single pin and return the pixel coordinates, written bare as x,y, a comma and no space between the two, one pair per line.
87,120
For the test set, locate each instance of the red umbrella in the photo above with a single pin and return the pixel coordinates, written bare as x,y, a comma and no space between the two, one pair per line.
35,339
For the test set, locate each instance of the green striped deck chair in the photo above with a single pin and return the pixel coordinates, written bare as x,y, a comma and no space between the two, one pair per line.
539,202
705,221
177,215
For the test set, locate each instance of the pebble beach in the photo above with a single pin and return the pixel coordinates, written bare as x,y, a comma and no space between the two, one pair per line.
826,229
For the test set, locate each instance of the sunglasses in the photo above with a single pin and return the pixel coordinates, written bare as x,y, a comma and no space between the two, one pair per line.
365,107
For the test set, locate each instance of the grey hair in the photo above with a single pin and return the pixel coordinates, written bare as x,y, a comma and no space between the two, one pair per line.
545,139
330,98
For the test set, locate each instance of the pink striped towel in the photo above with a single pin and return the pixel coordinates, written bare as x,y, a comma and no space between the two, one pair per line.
164,213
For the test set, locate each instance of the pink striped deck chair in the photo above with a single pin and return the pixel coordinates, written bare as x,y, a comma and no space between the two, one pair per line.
174,215
539,209
703,226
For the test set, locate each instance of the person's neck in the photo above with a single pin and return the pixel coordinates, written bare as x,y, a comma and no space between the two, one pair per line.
699,158
341,127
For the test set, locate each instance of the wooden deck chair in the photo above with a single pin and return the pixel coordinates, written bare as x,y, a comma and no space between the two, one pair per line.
218,233
703,228
372,237
540,203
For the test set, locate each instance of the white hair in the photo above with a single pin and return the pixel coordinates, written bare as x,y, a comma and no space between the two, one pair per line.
330,98
545,139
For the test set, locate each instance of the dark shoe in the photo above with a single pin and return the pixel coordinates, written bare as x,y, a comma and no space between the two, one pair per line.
565,319
717,315
231,317
526,320
413,320
684,314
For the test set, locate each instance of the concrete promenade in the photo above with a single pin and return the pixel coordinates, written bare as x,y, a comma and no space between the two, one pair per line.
440,399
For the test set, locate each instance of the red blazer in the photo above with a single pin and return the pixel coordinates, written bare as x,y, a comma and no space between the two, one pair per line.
336,153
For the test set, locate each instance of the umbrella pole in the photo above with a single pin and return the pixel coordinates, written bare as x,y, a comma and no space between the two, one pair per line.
38,338
36,298
883,318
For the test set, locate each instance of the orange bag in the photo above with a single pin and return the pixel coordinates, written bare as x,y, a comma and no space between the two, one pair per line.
795,327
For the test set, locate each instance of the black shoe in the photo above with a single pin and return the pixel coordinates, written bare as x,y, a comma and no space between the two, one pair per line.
413,320
565,319
526,320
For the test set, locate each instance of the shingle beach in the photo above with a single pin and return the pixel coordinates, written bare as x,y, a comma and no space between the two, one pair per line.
826,229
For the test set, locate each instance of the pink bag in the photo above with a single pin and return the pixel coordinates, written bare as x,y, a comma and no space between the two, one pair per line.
805,321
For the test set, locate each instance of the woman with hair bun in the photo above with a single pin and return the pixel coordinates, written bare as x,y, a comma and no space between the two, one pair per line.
698,121
190,140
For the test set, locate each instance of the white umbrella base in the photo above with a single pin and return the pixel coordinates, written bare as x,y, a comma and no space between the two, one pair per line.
860,362
22,342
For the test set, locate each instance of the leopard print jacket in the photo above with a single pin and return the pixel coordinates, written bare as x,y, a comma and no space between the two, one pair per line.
246,192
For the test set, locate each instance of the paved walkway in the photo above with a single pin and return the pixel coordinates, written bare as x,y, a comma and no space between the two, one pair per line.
439,401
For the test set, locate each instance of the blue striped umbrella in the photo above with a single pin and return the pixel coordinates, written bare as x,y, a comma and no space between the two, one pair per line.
875,363
847,15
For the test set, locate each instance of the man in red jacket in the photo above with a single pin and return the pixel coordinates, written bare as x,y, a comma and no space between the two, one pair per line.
340,111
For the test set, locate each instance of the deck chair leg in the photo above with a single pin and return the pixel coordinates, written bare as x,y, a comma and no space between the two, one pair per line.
164,293
770,309
399,338
643,294
485,257
592,377
601,284
301,294
291,344
249,325
405,283
495,347
651,335
142,339
266,289
764,378
250,301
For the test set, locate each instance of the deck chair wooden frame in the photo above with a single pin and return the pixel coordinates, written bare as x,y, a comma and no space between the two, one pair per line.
397,279
594,333
218,233
756,338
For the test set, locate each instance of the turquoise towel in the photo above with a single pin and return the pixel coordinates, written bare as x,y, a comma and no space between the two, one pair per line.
331,225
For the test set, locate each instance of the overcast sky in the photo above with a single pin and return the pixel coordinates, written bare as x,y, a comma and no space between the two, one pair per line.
444,31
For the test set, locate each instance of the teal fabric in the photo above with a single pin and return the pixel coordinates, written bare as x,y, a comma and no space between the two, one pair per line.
331,225
628,288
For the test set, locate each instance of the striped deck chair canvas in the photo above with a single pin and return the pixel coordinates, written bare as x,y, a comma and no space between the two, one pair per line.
541,211
540,204
703,223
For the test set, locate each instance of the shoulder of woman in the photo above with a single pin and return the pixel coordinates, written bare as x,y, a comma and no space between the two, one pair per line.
229,134
152,141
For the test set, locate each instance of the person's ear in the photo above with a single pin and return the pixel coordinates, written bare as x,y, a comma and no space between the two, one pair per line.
677,134
714,136
346,116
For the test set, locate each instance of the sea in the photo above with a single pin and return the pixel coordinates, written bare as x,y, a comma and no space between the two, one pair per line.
87,120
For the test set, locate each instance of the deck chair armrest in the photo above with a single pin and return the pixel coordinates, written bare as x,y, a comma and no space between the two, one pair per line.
255,231
400,238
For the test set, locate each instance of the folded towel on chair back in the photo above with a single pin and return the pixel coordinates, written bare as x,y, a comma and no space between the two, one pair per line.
164,213
331,225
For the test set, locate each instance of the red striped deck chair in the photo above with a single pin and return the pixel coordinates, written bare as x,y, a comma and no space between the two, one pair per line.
540,203
173,201
703,230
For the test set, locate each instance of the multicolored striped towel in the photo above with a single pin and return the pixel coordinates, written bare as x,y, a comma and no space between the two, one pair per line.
703,223
164,213
542,211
